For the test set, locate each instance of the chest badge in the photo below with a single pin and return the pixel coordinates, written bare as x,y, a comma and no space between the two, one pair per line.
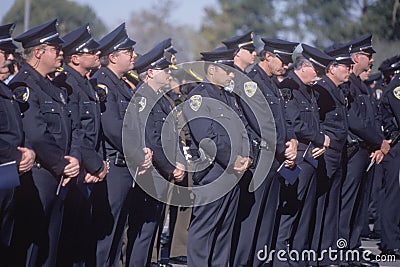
142,103
101,91
396,92
195,102
230,87
250,88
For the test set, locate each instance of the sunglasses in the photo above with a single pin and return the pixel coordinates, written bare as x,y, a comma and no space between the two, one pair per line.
369,56
6,53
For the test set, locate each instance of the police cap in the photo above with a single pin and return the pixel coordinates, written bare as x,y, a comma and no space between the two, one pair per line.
391,64
79,41
5,37
281,48
221,55
43,34
116,40
153,59
241,41
341,53
319,59
363,44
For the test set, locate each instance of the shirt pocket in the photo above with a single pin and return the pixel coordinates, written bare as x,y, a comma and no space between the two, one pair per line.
274,105
123,106
52,116
4,124
306,113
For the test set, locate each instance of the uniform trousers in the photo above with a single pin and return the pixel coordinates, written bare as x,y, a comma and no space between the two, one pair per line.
109,213
352,198
295,213
38,219
390,219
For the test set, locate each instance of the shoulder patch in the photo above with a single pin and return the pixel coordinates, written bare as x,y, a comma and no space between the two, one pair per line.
396,92
102,91
142,103
195,102
250,88
21,94
230,87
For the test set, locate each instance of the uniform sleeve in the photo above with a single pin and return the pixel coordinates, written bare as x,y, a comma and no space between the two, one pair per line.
77,132
213,140
112,121
359,123
42,141
386,112
133,131
8,152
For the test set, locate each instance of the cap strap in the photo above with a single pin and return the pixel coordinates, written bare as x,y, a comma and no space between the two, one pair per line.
83,45
223,61
43,40
316,62
365,47
5,40
275,51
155,63
342,58
121,43
247,43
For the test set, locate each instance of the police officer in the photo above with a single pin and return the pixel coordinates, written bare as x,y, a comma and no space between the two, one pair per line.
390,219
209,112
160,135
297,200
109,196
333,117
365,137
80,56
48,129
12,145
275,57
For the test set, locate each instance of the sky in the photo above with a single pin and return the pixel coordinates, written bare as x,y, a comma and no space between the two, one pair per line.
112,13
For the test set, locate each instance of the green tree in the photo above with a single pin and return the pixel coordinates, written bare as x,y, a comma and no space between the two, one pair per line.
150,26
70,16
383,19
238,17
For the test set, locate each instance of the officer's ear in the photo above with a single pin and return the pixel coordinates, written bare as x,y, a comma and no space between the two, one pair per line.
112,57
38,52
210,69
150,73
75,59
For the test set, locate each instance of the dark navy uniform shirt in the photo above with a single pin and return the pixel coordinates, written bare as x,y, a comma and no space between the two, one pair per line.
113,109
11,132
303,115
86,114
390,108
333,112
160,133
46,120
362,120
277,105
210,124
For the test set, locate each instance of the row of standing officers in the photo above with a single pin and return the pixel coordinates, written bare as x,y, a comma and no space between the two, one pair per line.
81,186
